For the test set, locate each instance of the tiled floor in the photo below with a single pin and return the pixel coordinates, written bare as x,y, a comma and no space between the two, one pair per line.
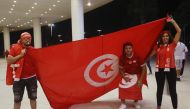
108,101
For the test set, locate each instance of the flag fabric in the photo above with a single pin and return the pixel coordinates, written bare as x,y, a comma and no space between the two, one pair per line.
81,71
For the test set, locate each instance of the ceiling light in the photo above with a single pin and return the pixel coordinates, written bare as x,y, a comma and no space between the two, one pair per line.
54,5
46,21
32,7
62,16
41,14
45,12
14,1
12,9
4,18
35,3
26,13
58,1
10,12
29,10
49,9
13,5
28,22
89,4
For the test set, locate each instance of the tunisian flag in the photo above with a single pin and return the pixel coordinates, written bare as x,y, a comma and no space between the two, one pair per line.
81,71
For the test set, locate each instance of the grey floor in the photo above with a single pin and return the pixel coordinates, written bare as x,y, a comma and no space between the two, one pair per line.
107,101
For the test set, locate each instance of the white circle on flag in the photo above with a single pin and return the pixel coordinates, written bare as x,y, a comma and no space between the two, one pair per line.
127,84
107,69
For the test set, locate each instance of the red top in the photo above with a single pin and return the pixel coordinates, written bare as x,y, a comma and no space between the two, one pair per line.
27,70
165,56
131,65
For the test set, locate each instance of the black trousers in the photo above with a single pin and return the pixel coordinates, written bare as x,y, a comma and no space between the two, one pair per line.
183,64
171,78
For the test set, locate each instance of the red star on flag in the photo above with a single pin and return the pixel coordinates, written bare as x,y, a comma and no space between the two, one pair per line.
107,69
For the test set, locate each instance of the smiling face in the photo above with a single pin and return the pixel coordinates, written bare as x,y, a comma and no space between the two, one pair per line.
165,38
25,39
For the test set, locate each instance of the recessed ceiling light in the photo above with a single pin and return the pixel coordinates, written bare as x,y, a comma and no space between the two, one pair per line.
28,22
32,7
45,12
35,3
41,23
46,21
10,12
89,4
54,5
18,26
4,18
14,1
13,5
15,21
49,9
58,1
26,13
29,10
12,9
62,16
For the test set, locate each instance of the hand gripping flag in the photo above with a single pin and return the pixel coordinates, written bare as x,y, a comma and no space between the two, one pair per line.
81,71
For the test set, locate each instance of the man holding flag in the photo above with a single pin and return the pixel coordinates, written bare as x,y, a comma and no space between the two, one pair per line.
20,71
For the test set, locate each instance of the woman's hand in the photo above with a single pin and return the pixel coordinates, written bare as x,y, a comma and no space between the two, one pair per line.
170,19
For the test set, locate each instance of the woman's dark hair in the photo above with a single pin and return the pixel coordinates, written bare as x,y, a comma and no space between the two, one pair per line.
160,42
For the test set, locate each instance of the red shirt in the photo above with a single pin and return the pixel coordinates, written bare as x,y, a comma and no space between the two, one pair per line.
165,56
131,65
27,68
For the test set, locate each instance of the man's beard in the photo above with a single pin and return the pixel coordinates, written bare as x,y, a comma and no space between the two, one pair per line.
27,43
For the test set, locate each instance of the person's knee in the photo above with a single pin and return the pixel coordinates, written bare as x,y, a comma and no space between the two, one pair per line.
17,98
33,95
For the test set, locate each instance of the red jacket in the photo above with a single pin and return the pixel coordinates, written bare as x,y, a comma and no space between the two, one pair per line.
14,70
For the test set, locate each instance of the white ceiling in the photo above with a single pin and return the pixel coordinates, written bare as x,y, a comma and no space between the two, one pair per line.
18,14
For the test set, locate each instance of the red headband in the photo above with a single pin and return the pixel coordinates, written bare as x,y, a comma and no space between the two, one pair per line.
25,35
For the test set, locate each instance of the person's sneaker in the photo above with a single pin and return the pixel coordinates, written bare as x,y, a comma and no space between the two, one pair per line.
137,106
123,106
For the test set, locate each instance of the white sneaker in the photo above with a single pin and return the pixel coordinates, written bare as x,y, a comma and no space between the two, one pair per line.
123,106
137,106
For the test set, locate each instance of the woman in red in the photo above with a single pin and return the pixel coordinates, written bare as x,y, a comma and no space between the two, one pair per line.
165,64
133,73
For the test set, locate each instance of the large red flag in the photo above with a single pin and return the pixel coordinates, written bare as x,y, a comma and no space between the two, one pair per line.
82,71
